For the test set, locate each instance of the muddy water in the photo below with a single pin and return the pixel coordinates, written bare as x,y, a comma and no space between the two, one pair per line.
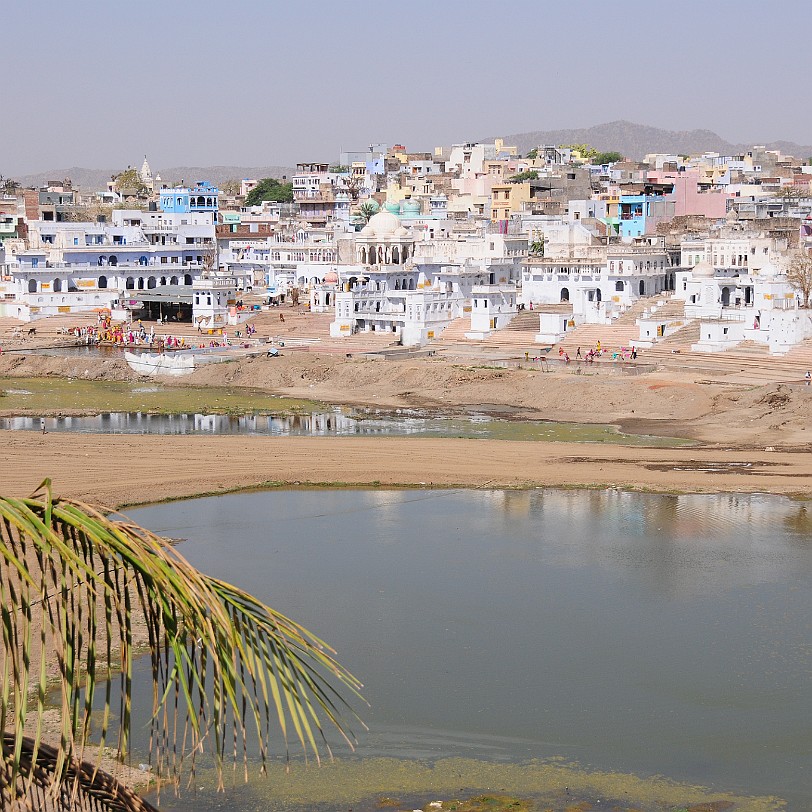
499,633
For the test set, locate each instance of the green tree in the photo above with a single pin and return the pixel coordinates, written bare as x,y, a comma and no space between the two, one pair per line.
528,174
582,150
270,189
601,158
129,181
533,153
366,211
74,583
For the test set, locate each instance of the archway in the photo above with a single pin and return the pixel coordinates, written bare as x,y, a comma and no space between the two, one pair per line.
725,296
642,287
163,280
619,286
56,286
130,283
142,260
102,282
113,260
187,279
173,280
140,283
151,283
565,294
32,285
598,295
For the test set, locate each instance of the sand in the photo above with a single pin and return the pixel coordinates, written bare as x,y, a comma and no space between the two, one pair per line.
752,436
120,470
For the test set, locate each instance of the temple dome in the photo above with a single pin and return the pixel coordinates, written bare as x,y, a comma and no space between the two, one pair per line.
401,232
383,224
703,269
392,207
330,278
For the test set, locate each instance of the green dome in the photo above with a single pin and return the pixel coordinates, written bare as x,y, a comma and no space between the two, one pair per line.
411,206
394,208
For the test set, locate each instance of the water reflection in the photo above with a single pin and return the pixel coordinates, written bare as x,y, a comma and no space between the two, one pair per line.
337,422
633,632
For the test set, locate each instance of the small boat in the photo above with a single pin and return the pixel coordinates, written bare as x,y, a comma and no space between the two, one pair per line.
184,362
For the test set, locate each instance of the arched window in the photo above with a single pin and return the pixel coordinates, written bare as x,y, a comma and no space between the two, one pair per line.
151,283
619,286
173,280
102,282
642,287
565,294
130,283
56,285
32,285
187,279
113,260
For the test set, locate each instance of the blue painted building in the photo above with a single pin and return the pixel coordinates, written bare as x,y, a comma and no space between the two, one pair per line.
633,212
202,197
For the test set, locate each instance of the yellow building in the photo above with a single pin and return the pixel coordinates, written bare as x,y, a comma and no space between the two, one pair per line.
508,198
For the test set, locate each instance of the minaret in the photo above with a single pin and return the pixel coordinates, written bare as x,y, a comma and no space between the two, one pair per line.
145,173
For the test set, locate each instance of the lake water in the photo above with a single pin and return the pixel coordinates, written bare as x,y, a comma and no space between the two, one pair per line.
643,634
336,422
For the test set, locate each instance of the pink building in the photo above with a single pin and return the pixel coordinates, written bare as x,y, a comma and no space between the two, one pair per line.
689,199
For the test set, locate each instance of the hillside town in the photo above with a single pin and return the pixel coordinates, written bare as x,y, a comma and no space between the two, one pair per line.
406,244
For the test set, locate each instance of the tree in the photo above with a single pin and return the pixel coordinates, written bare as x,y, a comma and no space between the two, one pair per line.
270,189
799,274
366,211
601,158
339,169
533,153
9,186
73,584
129,182
230,187
792,192
582,150
528,174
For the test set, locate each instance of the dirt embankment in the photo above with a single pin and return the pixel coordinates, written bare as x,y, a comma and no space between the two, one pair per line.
665,402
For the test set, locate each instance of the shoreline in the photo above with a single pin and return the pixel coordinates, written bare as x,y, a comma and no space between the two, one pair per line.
119,471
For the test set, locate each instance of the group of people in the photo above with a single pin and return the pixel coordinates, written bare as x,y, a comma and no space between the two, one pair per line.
623,354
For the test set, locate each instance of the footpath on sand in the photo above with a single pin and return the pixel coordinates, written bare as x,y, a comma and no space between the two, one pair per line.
118,470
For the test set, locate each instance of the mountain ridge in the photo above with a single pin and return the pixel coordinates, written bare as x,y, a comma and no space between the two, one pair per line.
636,140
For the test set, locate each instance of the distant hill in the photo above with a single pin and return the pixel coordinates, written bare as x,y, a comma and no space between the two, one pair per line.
636,140
96,179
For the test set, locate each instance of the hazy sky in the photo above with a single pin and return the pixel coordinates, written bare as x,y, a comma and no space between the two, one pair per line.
259,82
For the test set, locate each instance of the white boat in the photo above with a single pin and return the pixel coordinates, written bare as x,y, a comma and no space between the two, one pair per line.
183,362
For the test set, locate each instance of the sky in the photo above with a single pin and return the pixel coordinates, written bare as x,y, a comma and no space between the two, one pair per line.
274,82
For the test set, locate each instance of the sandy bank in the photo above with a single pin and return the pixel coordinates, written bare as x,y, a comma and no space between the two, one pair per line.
118,470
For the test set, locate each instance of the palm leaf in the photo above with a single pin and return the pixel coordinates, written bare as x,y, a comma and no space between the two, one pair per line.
76,584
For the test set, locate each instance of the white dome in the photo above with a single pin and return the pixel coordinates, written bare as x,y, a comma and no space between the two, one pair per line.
383,224
401,232
366,231
703,269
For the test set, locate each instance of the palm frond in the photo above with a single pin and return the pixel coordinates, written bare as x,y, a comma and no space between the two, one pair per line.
75,586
